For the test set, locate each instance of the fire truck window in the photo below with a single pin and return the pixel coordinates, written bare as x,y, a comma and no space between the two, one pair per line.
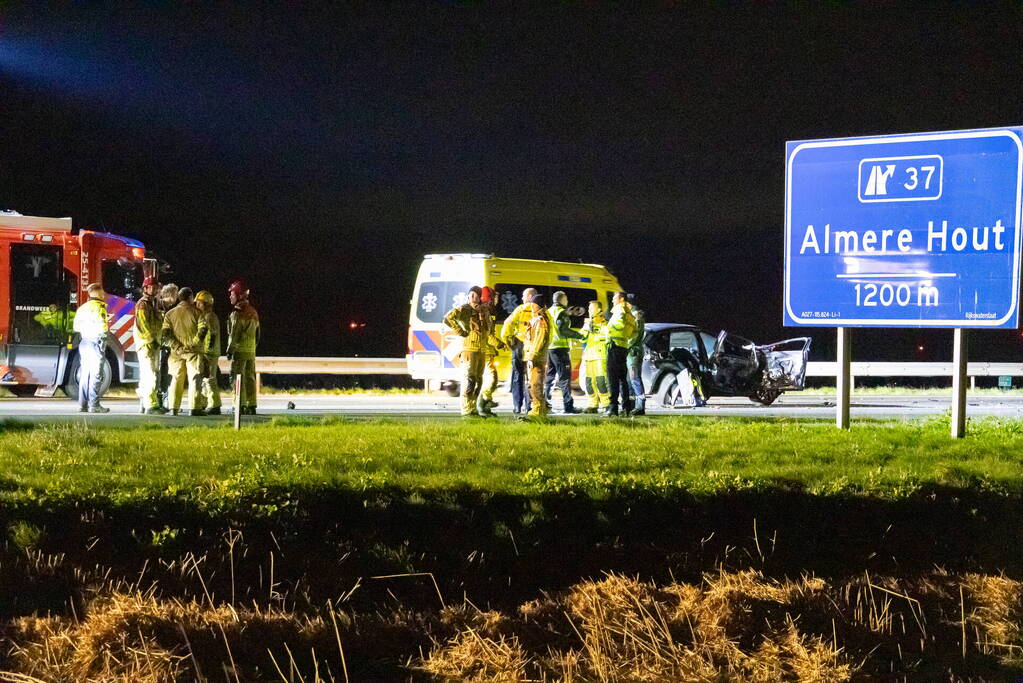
122,279
39,295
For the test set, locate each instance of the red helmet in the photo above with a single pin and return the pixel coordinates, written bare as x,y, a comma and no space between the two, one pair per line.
486,295
150,281
237,287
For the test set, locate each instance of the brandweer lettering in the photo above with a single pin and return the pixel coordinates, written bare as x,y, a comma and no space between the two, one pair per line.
939,238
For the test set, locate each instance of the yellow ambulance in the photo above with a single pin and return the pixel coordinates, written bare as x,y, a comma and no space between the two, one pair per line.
443,283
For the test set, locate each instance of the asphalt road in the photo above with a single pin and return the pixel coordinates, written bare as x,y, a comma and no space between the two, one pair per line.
795,405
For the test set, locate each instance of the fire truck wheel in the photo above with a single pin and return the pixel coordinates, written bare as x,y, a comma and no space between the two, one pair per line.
71,387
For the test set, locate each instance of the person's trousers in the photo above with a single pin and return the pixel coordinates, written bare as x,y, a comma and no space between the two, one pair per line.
559,369
520,395
618,378
596,383
537,376
489,382
211,382
149,376
185,368
246,369
472,379
636,381
93,369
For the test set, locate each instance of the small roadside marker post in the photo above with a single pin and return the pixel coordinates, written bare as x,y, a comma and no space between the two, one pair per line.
843,376
238,401
959,353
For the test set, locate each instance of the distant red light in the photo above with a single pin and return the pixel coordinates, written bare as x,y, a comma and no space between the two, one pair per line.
919,348
353,325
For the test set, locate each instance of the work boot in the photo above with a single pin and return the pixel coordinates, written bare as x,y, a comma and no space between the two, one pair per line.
83,409
195,412
486,413
175,412
156,410
213,411
250,410
98,409
638,412
470,416
610,412
490,404
571,410
589,410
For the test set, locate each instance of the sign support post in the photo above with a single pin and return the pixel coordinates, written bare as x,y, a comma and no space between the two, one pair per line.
843,385
959,353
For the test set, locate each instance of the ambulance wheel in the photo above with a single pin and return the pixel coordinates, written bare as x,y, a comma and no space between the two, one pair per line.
452,388
71,386
765,396
22,390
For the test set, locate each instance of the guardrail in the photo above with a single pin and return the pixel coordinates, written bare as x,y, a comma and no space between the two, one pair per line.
288,365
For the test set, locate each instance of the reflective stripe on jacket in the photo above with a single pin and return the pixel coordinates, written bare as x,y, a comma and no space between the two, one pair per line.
561,328
91,320
596,339
474,324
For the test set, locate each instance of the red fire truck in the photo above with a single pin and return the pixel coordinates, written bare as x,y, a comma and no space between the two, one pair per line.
44,270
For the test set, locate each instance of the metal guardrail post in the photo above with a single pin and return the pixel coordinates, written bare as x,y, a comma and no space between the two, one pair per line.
237,401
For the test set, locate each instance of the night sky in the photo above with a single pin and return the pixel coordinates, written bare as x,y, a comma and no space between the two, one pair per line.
319,153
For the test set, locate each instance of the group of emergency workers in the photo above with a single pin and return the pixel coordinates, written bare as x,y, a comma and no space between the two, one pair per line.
182,330
540,338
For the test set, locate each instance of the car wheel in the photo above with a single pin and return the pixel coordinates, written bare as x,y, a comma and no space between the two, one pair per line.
667,394
74,375
765,396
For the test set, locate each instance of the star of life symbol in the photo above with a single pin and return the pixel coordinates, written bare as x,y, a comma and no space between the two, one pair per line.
509,301
459,299
429,302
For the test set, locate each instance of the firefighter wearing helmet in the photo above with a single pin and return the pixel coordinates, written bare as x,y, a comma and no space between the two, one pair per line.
471,321
209,337
242,337
486,402
147,332
181,332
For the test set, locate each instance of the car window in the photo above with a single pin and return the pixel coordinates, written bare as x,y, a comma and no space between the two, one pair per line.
684,339
435,299
709,341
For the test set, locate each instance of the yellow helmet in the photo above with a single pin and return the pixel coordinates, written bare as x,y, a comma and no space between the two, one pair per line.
204,296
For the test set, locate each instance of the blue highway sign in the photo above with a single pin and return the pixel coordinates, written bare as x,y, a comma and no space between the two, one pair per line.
917,230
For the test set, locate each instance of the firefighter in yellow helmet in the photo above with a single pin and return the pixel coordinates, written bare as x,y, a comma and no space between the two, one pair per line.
148,331
92,324
181,332
595,358
209,336
473,322
494,344
242,338
535,343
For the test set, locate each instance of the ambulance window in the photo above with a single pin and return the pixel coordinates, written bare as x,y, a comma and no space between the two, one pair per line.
435,299
509,296
122,278
578,301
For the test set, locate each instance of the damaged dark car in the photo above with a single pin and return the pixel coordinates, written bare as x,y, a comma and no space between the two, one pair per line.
683,366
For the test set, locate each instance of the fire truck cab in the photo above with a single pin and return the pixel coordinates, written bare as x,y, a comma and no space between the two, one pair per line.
44,270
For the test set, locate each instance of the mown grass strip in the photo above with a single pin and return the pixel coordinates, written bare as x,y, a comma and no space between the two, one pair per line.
699,456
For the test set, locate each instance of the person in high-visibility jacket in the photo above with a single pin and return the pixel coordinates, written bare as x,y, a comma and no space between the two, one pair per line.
535,344
55,321
92,324
486,402
621,328
634,361
559,359
209,338
594,332
512,334
242,338
148,331
471,321
181,332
